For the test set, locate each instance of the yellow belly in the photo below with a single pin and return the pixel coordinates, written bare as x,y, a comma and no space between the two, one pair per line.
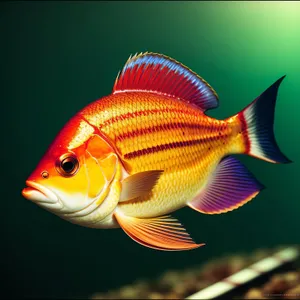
172,191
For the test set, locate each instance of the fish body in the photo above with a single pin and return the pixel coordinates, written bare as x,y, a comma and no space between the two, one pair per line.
158,132
131,158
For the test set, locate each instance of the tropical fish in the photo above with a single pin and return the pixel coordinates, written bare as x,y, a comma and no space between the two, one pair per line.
148,149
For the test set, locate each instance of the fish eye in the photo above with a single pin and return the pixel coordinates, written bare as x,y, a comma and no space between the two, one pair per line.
67,165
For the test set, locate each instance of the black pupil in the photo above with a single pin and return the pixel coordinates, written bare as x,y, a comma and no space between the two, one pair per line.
68,165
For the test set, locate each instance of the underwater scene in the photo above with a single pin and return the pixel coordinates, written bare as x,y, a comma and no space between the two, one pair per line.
150,150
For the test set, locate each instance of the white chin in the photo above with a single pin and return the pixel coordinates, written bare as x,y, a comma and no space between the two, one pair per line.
35,195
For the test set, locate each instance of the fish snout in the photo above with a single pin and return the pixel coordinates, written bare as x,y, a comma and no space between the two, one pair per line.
38,193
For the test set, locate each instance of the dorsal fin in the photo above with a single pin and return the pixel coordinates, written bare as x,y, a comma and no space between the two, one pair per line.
158,73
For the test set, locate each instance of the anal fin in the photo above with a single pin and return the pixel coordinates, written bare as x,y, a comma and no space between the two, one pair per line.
161,233
230,186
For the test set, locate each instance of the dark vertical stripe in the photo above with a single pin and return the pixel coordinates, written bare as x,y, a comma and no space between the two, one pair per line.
244,131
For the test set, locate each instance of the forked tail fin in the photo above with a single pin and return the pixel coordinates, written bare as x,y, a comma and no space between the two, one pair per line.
257,126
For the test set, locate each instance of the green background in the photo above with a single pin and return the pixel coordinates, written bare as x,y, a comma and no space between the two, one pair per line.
58,57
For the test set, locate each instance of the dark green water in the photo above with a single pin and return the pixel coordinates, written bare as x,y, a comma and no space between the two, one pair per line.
58,57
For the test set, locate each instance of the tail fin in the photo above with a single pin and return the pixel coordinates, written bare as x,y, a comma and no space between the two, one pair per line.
257,122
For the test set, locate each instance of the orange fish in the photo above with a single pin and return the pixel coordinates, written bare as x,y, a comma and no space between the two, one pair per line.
131,158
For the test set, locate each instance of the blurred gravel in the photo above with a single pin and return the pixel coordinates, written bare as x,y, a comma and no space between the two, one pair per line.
182,283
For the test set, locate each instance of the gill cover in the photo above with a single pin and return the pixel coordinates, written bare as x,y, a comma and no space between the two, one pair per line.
101,167
83,192
100,164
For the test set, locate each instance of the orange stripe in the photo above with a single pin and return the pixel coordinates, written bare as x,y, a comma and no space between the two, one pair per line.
164,147
146,112
167,126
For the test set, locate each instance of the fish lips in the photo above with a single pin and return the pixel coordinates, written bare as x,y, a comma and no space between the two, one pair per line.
38,193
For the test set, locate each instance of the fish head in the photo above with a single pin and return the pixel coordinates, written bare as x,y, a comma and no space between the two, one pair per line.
74,174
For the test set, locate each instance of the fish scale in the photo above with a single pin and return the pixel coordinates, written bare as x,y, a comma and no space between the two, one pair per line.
184,165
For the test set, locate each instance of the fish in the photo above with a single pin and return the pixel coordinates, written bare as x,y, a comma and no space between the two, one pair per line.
130,159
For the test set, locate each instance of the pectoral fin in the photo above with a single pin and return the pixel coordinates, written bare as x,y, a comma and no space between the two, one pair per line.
139,184
161,233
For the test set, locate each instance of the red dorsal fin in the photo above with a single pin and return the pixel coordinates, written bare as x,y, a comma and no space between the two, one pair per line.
152,72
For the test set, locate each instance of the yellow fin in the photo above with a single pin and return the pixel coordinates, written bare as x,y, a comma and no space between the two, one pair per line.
161,233
139,184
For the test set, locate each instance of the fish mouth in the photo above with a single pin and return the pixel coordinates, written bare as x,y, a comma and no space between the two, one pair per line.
38,193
